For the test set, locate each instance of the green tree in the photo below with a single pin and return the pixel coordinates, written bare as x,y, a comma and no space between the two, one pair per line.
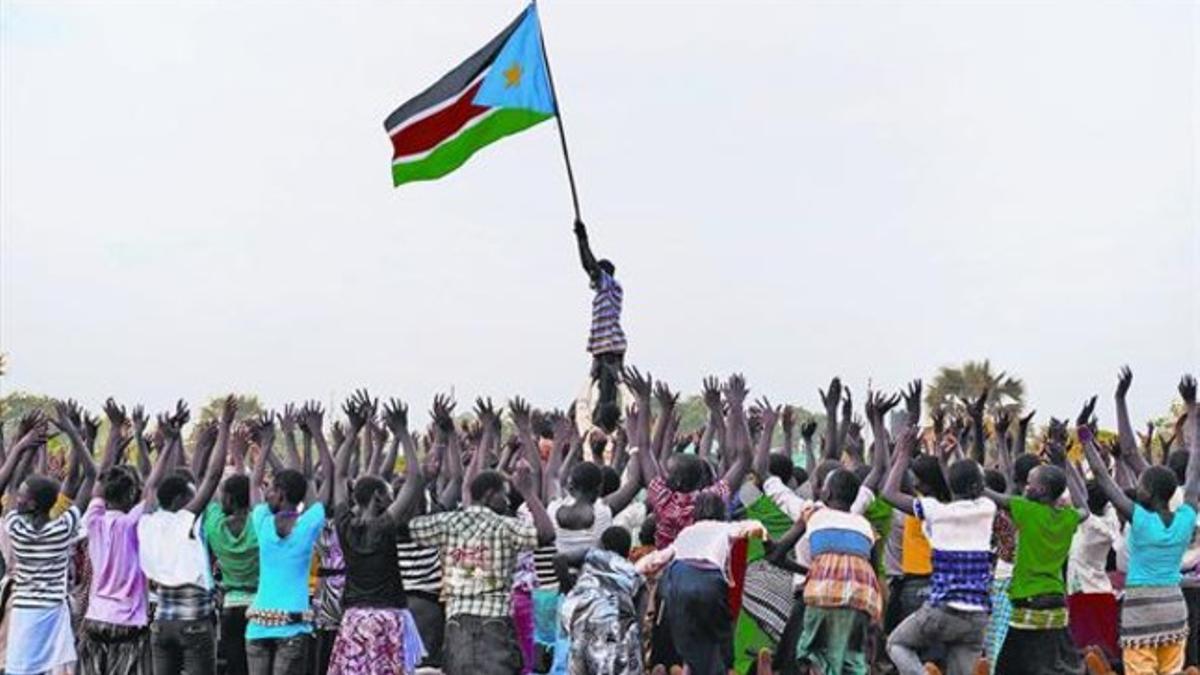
954,383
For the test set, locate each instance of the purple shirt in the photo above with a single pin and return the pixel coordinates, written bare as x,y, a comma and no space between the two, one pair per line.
118,593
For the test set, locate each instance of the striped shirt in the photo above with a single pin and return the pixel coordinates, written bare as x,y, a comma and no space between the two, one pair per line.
40,557
420,567
606,336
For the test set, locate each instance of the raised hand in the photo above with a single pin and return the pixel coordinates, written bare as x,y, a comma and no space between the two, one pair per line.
831,398
32,430
356,414
768,414
939,421
878,406
787,420
665,397
975,408
395,416
206,433
312,418
262,429
182,414
808,430
139,419
287,418
1056,441
366,405
443,413
847,404
712,395
520,409
912,401
1085,415
1187,390
91,426
485,410
640,385
1124,379
735,389
1023,423
168,428
116,413
229,408
1002,423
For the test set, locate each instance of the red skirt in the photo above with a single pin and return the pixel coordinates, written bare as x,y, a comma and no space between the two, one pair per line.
1092,622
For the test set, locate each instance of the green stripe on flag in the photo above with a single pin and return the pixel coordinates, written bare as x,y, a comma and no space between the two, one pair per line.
455,152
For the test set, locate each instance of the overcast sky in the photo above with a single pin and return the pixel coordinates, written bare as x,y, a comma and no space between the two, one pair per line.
195,197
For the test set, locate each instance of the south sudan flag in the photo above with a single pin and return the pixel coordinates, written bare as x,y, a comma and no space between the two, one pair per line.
502,89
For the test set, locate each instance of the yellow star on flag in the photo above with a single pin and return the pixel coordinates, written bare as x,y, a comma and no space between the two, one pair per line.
512,76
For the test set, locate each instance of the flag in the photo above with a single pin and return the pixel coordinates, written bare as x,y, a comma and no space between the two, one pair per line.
500,90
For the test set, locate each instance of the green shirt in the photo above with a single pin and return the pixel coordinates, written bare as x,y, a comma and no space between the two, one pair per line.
776,521
1043,543
237,555
879,514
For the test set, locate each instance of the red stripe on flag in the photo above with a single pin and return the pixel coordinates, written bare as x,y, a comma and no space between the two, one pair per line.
426,133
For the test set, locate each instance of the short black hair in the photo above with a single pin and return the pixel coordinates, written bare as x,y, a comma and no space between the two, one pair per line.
1097,498
606,265
1177,461
587,479
708,506
842,486
1052,479
485,482
365,488
685,472
824,468
171,488
607,416
800,475
966,479
611,481
780,466
995,481
648,530
185,473
44,492
292,484
237,489
1160,483
617,540
927,470
118,484
1022,465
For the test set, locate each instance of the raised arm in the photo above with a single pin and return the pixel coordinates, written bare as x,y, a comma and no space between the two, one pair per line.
762,449
831,400
31,434
807,431
116,422
1120,502
739,432
1124,428
79,457
585,250
1191,490
287,426
264,437
877,410
906,444
356,409
1056,451
641,387
846,420
523,482
216,462
139,419
395,418
521,413
414,482
978,440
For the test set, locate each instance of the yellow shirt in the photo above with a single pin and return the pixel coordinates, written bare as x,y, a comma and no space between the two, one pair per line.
916,556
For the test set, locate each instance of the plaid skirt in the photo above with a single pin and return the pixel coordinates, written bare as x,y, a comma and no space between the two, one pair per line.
374,641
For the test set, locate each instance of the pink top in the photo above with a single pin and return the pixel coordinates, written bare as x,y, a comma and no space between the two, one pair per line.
118,593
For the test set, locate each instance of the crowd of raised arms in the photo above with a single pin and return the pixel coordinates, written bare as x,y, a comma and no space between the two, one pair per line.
283,545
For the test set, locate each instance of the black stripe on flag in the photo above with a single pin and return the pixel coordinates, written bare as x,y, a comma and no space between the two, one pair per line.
454,82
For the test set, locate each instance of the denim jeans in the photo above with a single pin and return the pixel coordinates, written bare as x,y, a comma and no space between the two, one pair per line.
960,633
232,646
430,617
481,645
188,647
278,656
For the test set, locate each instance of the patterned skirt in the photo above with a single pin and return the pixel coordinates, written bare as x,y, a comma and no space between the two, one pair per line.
374,641
998,628
1152,616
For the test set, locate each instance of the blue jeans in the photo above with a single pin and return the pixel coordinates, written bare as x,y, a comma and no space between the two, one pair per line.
187,646
278,656
479,645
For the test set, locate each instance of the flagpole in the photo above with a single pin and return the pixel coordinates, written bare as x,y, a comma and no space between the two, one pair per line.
562,135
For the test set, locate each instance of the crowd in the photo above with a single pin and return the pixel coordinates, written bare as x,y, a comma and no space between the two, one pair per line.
882,545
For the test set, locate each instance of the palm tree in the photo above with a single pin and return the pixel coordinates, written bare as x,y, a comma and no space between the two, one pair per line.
952,384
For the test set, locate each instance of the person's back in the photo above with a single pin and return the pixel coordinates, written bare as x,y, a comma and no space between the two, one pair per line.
283,589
